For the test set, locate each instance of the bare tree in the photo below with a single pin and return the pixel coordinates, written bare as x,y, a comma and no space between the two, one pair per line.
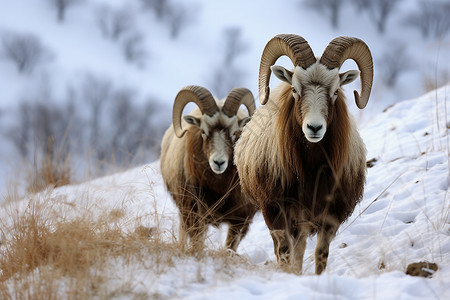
381,10
234,44
25,50
159,7
61,7
227,76
431,18
361,5
96,91
133,48
175,15
122,118
135,127
330,7
115,23
20,134
178,17
394,62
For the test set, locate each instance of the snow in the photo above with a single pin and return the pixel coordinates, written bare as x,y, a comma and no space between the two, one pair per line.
403,218
404,214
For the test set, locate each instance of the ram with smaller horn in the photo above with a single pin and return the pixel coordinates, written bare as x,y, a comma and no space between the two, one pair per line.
197,164
301,158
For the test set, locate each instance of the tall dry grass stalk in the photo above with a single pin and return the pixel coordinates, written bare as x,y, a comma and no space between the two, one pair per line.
47,255
49,174
38,250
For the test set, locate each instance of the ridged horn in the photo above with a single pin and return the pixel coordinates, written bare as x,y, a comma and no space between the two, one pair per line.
342,48
235,98
291,45
192,93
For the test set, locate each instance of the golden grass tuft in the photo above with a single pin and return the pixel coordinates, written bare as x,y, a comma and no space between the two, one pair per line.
39,251
44,255
50,173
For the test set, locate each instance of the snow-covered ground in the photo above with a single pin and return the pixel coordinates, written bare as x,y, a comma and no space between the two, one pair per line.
403,218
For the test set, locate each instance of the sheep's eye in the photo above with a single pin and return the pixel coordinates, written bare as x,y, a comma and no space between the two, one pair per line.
336,92
293,90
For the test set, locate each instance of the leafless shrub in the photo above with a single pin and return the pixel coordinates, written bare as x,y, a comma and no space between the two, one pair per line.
133,48
227,75
96,91
380,12
115,23
431,18
135,127
118,126
176,15
330,7
119,25
394,62
25,50
361,5
61,7
41,136
161,8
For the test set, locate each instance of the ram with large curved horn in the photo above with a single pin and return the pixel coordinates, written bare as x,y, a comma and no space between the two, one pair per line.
197,167
342,48
301,158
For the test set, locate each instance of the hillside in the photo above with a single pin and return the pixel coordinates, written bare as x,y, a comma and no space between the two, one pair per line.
117,234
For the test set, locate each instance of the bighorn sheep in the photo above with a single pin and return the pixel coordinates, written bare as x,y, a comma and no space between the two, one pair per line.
301,158
197,166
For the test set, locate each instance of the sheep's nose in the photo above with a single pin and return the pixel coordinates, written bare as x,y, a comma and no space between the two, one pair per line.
314,128
219,163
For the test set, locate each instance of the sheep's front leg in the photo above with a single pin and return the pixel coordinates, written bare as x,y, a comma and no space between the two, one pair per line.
281,246
324,237
236,233
275,217
191,225
299,247
197,235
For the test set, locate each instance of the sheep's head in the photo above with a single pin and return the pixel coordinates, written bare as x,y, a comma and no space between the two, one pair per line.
219,124
316,83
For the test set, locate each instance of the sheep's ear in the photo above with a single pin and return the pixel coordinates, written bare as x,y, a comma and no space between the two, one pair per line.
347,77
192,120
243,122
282,74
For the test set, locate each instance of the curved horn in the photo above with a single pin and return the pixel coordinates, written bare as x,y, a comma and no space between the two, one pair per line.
192,93
294,46
342,48
235,98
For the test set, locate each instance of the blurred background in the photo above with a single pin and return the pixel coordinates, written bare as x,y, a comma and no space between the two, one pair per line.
87,86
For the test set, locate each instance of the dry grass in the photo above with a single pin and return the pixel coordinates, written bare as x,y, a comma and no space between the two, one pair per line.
39,250
47,256
49,173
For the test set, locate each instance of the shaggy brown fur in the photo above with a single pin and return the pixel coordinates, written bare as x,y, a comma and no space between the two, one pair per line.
202,196
302,187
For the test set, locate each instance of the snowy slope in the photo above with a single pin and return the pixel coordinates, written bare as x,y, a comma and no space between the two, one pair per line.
403,218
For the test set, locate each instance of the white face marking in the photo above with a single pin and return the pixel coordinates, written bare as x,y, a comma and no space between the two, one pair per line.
218,159
316,85
219,156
